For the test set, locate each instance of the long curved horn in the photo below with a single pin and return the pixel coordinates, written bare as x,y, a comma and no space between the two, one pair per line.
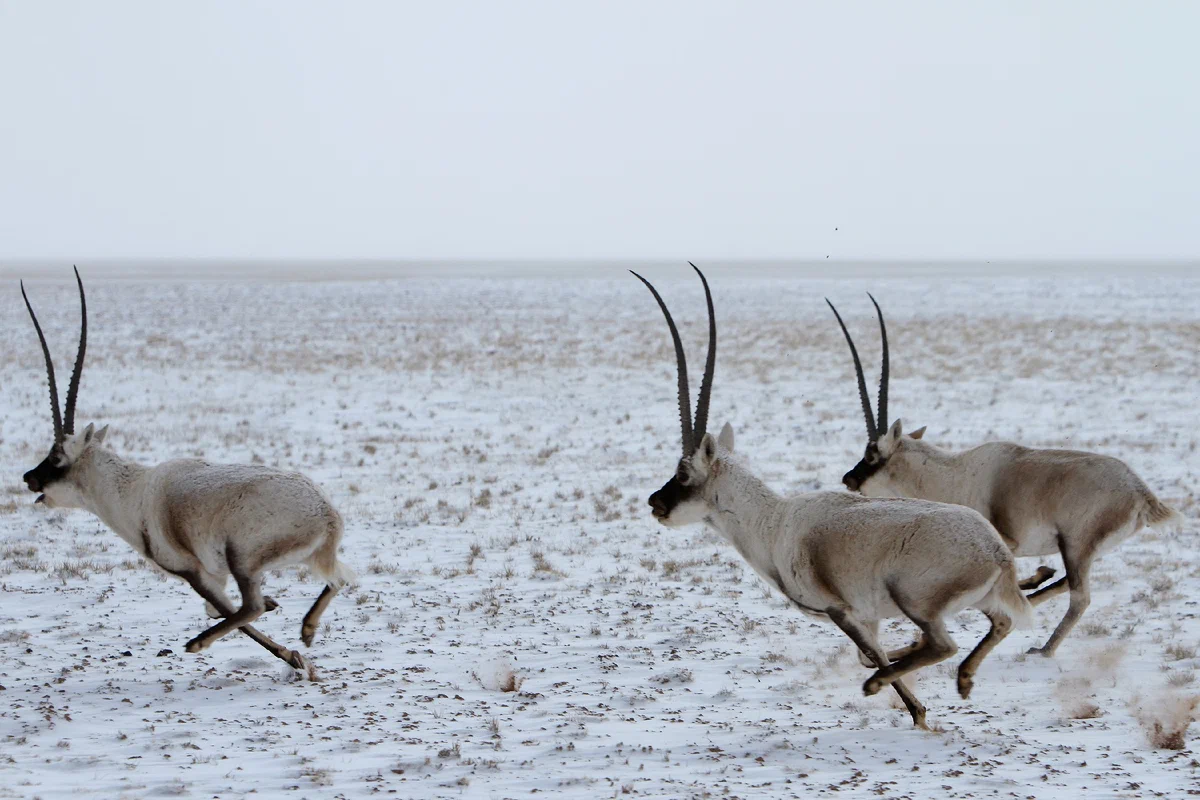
58,426
872,431
73,387
685,402
883,373
709,364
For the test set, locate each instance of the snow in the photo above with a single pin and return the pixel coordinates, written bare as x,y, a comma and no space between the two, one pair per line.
522,627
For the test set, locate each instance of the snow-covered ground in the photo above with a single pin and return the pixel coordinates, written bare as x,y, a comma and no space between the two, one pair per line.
491,442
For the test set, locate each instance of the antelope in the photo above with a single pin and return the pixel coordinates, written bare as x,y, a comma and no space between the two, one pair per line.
199,521
848,559
1042,501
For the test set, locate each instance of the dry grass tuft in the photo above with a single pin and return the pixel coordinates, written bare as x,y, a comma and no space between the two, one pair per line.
673,568
80,569
1177,678
543,568
1179,652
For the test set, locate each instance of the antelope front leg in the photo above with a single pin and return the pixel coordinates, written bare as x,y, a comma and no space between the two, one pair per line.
864,639
214,595
268,605
893,655
252,608
936,645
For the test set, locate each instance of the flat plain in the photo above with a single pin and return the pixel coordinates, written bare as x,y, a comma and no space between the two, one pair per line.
521,626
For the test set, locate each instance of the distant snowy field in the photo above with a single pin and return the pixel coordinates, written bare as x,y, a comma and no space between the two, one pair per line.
491,442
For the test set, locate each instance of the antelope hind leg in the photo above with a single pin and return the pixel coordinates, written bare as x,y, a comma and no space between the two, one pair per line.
1001,627
1077,582
308,629
1039,577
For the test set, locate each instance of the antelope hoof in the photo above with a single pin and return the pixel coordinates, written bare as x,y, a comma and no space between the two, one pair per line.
269,604
872,686
965,684
1044,573
195,645
1044,652
919,721
1040,576
307,635
297,661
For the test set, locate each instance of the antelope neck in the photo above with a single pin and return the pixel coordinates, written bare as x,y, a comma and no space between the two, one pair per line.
110,490
745,509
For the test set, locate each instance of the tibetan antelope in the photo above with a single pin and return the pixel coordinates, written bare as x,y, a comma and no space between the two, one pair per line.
1041,501
850,559
199,521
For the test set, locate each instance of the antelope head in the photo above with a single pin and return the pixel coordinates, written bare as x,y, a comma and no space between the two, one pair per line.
53,478
685,498
869,475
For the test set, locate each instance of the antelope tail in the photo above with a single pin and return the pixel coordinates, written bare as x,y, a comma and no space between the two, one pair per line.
1009,596
1157,514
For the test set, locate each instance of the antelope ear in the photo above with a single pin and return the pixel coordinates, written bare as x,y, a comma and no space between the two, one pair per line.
100,434
88,432
726,437
896,431
918,433
708,449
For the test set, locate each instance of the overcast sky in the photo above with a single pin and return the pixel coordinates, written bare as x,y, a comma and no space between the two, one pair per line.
601,130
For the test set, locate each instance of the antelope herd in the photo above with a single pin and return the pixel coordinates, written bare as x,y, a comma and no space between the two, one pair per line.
923,533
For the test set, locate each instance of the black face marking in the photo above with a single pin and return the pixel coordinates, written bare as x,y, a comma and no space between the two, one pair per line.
871,463
672,493
46,473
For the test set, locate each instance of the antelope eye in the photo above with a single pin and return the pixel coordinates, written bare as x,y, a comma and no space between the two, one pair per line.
681,476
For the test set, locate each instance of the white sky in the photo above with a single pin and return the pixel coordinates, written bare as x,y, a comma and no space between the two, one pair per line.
607,130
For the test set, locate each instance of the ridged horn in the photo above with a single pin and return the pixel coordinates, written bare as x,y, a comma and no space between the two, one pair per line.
58,425
685,403
872,431
73,387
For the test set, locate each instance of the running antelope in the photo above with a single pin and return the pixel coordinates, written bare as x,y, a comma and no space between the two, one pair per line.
199,521
1041,501
849,559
